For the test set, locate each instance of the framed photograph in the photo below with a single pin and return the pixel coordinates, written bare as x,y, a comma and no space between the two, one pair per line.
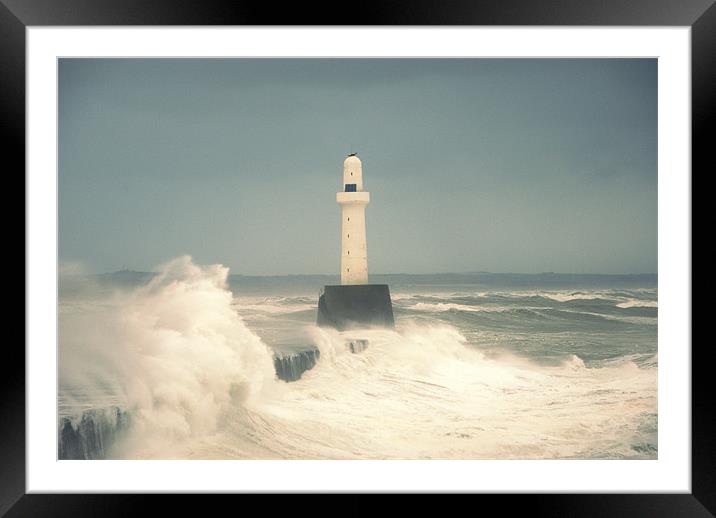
204,185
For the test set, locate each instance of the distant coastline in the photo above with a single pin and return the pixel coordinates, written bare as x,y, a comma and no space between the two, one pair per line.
137,273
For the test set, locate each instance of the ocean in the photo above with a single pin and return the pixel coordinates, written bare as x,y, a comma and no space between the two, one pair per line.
192,362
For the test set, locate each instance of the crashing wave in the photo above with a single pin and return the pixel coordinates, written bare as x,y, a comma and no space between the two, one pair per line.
92,434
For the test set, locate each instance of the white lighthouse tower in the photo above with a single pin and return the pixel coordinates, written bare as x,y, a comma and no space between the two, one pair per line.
353,200
354,304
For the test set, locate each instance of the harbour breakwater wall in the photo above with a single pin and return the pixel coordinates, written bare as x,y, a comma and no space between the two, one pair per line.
91,434
290,366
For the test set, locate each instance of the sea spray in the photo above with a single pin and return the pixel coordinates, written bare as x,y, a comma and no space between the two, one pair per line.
174,350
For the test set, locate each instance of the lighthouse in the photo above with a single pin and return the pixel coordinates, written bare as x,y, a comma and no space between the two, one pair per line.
354,304
353,200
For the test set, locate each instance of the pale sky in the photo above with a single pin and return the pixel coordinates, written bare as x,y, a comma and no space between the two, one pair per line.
502,165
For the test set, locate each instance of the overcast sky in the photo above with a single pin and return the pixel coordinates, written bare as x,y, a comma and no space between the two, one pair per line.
472,164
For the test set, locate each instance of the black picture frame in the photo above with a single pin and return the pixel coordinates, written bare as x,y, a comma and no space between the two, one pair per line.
16,15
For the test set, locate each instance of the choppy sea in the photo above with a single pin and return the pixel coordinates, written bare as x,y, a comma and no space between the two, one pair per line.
480,366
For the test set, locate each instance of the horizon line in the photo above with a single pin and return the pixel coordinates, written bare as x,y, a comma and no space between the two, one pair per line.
479,272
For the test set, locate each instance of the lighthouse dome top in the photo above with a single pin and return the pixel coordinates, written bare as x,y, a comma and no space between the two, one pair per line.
352,159
352,174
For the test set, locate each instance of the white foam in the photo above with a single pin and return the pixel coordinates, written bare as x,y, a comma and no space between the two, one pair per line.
447,306
423,393
566,297
635,303
272,309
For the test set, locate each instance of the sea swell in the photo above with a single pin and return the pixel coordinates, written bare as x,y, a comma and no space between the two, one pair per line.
196,371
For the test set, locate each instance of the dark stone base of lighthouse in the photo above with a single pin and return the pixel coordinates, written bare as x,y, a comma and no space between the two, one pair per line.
354,306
